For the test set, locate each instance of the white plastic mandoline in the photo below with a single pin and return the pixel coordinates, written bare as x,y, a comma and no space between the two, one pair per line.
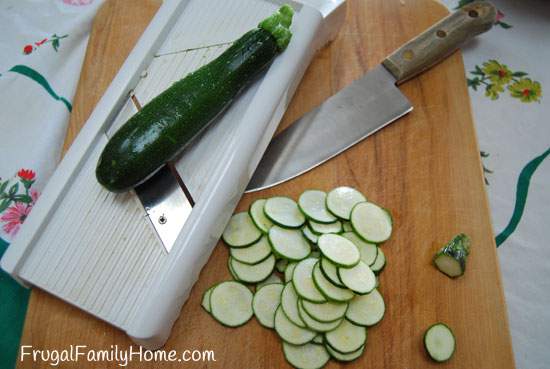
97,250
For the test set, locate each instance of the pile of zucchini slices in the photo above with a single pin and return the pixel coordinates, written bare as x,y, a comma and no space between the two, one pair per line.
315,266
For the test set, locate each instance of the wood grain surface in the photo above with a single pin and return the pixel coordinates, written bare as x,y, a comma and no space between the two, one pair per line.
425,168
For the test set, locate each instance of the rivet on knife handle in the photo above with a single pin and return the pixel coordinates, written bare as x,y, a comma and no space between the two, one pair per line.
440,40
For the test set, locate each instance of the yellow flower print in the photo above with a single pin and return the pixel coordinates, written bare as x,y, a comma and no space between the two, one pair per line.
496,77
497,73
493,91
526,90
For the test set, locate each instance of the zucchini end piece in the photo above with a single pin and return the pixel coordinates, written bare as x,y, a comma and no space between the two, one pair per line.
278,24
451,258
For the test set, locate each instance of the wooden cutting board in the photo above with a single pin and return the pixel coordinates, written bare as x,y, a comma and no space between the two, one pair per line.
425,168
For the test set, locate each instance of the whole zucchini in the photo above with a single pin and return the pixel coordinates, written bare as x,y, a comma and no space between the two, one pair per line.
165,125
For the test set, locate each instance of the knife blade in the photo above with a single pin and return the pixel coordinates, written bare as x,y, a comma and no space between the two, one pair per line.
368,104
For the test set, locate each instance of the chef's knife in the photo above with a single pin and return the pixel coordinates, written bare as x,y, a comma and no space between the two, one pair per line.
368,104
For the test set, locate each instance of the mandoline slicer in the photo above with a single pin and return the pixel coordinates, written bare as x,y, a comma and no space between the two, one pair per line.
98,250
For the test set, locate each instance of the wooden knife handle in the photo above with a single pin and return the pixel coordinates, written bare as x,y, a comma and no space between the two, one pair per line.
440,40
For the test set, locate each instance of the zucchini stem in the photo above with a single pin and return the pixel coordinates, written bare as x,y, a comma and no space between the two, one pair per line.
278,24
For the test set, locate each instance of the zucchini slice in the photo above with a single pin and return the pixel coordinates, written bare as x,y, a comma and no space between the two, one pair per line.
289,271
281,265
326,312
303,281
316,325
379,263
253,273
360,278
205,303
345,357
330,271
339,250
440,342
231,271
371,222
273,278
368,250
308,356
284,211
289,243
324,228
241,231
312,204
257,214
231,303
265,302
347,338
341,200
451,258
289,304
252,254
308,233
290,332
367,309
328,289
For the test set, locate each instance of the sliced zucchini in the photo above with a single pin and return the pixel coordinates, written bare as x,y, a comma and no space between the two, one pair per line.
341,200
368,250
316,325
339,250
451,258
324,228
231,303
308,356
367,309
346,226
241,231
318,339
206,299
289,271
303,281
312,204
329,290
326,312
371,222
290,332
281,265
273,278
289,304
284,211
360,278
330,271
308,233
253,273
379,263
347,337
440,342
265,302
257,214
252,254
345,357
289,243
231,271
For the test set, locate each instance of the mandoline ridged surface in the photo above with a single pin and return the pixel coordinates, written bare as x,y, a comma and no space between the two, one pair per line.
99,250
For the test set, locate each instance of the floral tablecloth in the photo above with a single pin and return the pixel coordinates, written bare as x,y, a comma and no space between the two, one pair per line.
43,44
